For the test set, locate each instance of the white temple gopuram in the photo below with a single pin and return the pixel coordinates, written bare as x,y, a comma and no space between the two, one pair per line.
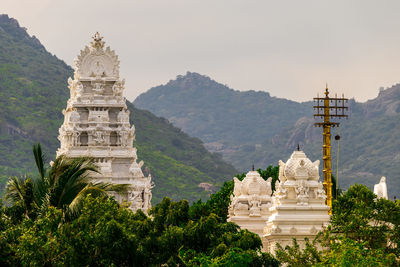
296,209
96,123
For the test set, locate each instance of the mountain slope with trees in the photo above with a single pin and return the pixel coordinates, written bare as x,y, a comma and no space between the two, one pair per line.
253,128
33,92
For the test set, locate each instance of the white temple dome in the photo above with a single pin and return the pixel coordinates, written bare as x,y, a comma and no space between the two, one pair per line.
299,165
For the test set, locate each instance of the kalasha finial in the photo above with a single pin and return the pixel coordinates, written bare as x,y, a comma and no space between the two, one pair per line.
97,41
326,90
298,147
252,167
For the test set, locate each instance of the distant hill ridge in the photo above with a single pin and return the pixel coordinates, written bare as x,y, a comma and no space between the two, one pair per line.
33,92
205,104
254,128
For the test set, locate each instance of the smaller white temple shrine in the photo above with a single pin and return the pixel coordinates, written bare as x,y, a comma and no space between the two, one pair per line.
250,202
296,209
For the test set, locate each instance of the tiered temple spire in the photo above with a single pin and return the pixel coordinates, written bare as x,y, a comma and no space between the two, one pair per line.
96,123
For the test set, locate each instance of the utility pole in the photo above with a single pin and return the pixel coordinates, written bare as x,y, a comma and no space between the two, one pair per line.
328,108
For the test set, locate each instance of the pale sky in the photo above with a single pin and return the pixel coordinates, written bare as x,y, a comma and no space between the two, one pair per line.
288,48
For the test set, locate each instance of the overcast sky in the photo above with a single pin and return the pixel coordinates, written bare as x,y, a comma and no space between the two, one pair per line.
288,48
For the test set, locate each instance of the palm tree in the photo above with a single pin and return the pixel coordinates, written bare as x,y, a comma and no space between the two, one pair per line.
63,185
20,190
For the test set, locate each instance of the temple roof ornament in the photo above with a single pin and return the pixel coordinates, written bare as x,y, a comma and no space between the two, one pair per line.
97,42
95,62
299,167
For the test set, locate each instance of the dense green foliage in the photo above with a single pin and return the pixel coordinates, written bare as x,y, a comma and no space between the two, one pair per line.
253,128
105,234
33,92
364,231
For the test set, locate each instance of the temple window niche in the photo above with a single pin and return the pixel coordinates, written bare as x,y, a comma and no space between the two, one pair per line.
113,138
83,139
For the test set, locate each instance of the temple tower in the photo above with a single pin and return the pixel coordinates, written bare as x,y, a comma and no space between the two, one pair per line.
298,204
250,202
96,123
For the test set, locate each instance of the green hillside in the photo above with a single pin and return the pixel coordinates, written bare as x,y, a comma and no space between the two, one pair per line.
33,92
254,128
217,114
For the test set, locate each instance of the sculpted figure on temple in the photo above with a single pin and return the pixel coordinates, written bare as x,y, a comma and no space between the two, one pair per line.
98,69
75,138
302,194
237,190
280,190
118,87
74,116
72,87
135,170
320,192
381,189
75,88
135,199
281,176
99,138
124,135
98,87
255,206
123,116
147,194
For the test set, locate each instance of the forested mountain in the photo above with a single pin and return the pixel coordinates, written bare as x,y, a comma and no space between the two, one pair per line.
255,128
33,92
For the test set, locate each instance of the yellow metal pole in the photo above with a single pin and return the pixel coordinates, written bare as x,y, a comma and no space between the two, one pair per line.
327,171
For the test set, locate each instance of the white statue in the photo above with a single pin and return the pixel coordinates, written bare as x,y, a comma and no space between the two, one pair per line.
381,189
147,194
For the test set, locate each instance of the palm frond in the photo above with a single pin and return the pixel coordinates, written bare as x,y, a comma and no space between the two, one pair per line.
39,159
72,180
14,189
98,189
